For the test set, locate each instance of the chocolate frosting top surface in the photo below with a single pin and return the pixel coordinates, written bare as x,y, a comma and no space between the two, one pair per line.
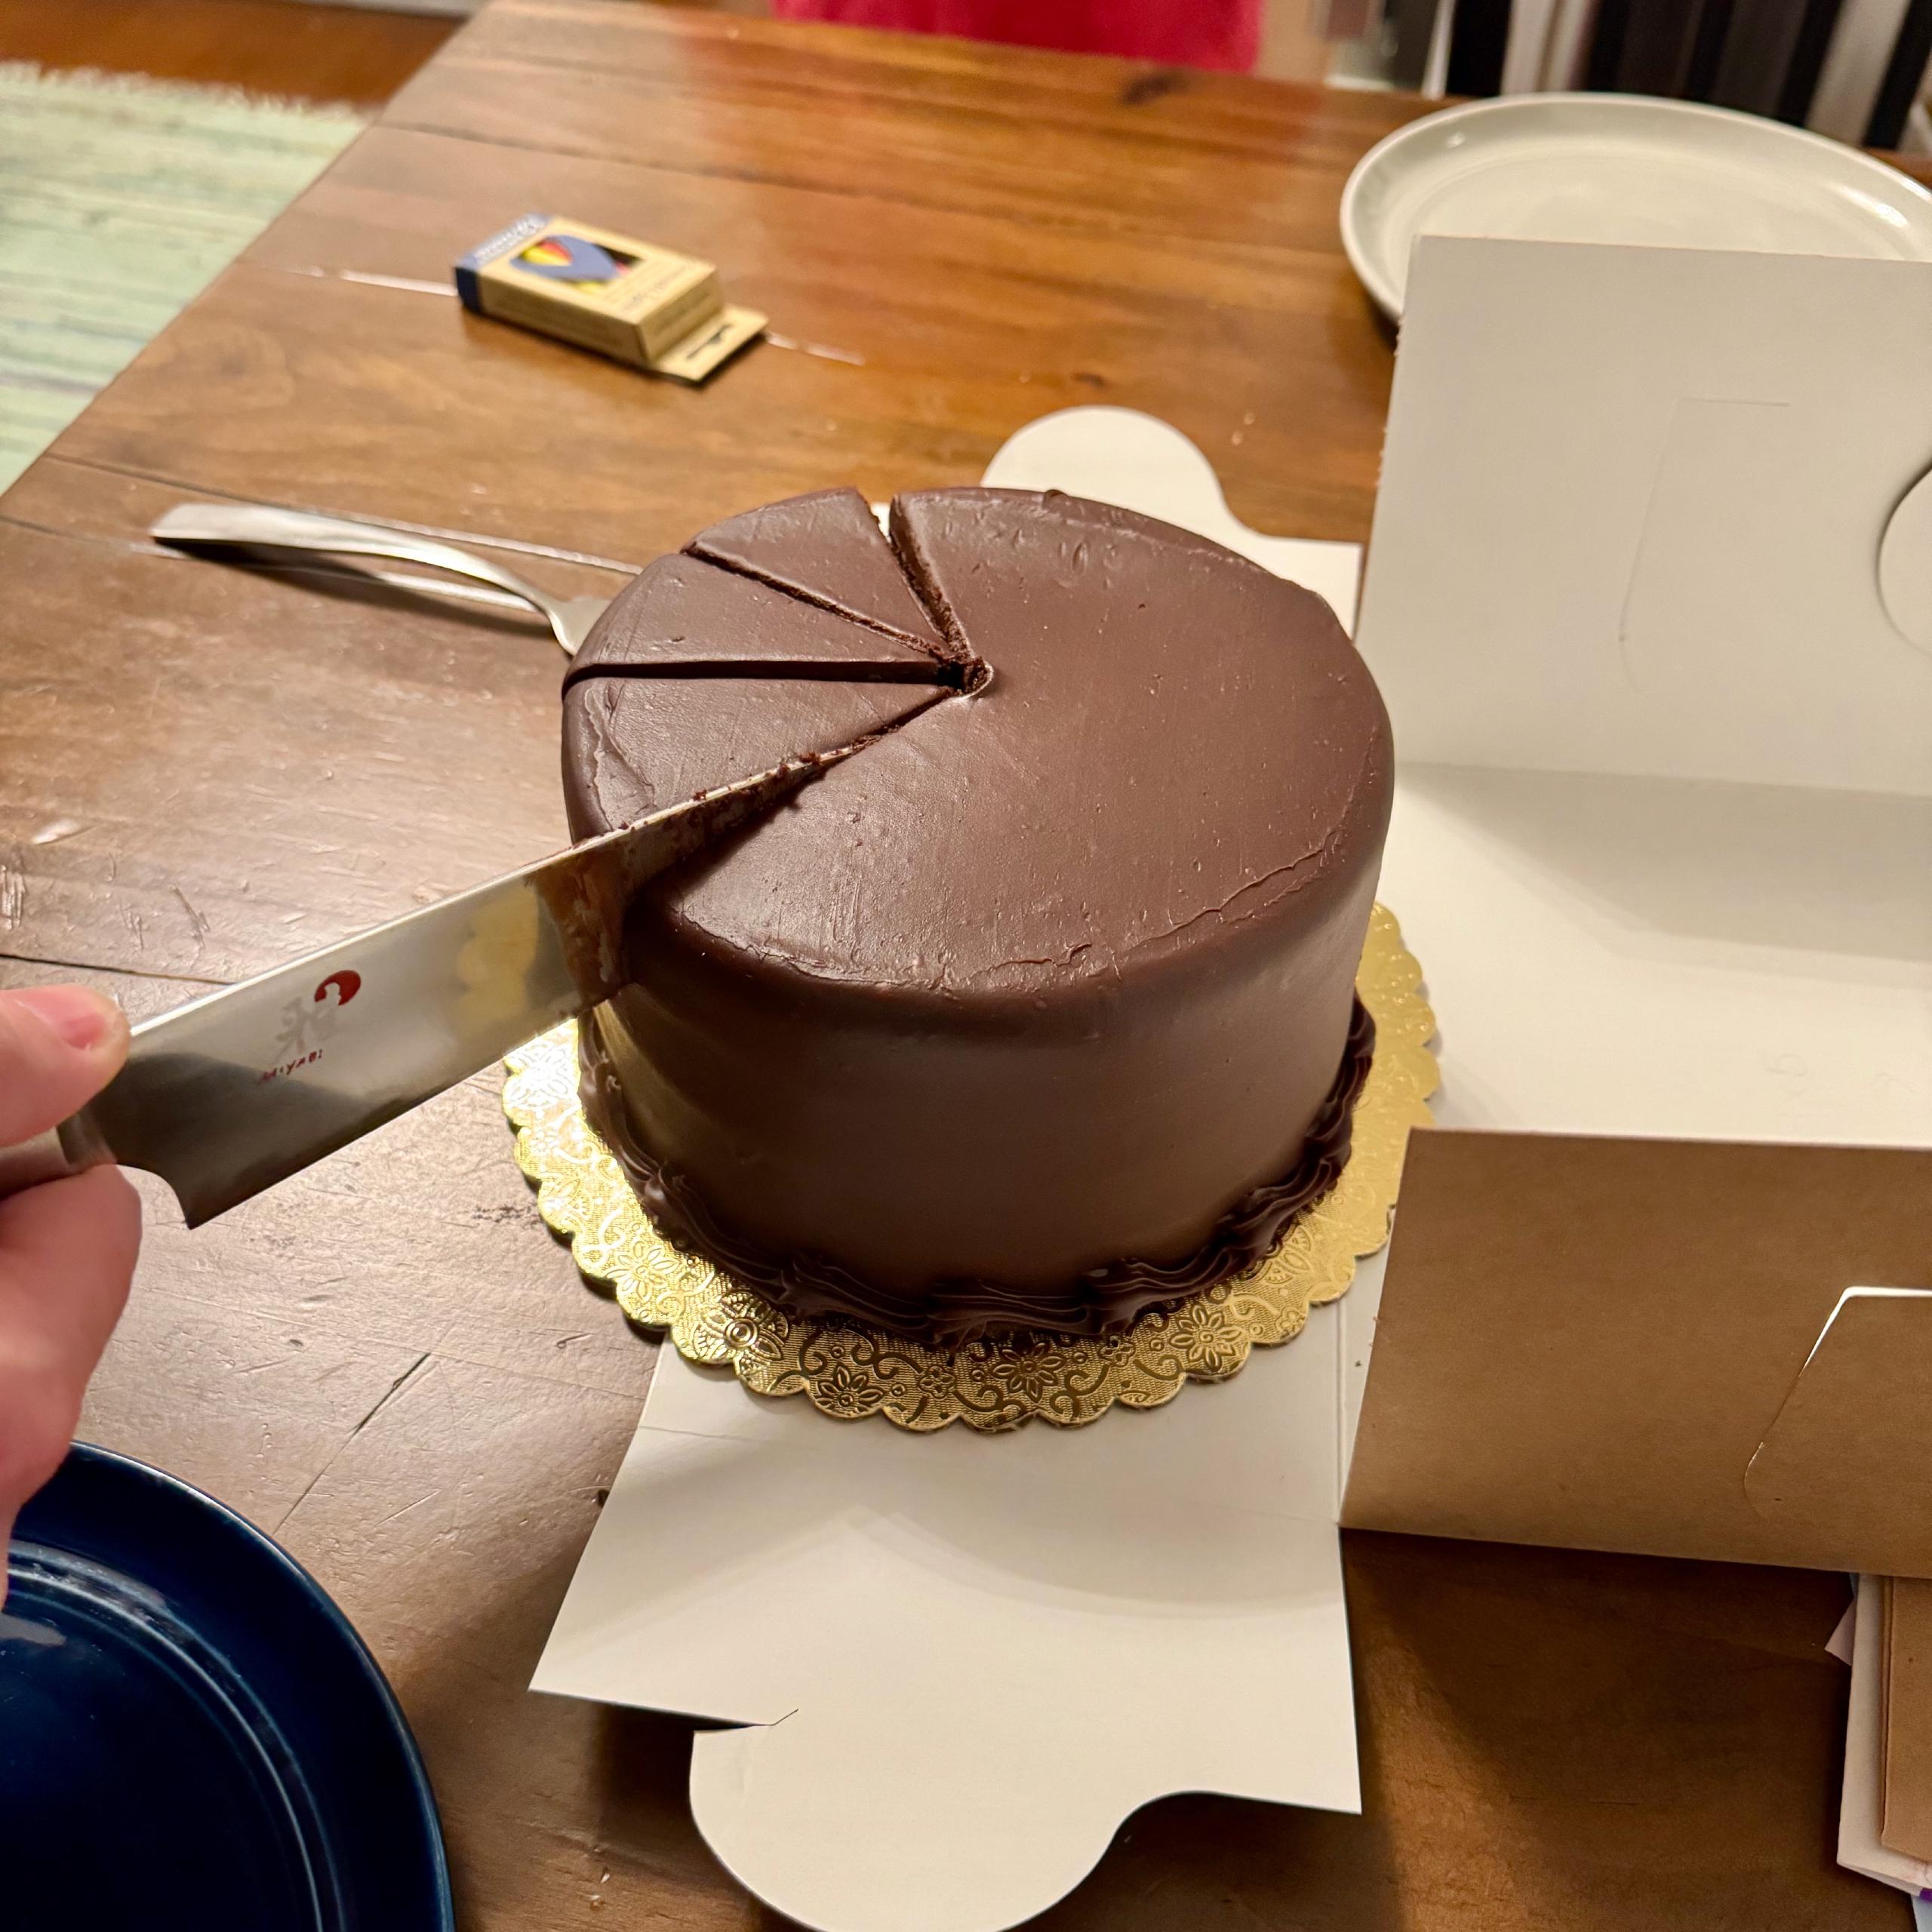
682,617
829,548
633,746
1019,842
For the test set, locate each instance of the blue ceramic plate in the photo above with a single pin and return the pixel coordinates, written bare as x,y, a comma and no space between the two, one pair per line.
191,1734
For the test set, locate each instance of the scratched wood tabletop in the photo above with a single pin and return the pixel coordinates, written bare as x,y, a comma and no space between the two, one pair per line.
387,1362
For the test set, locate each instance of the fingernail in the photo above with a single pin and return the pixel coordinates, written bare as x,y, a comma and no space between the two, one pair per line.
82,1018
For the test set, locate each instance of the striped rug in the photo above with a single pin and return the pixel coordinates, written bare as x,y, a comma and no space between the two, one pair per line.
120,199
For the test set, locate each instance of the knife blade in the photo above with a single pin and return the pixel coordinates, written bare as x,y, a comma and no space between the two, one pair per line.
232,1093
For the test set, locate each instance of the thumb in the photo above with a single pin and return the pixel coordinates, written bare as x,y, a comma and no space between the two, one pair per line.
59,1047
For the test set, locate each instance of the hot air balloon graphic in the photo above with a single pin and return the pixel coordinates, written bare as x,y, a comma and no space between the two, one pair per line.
570,258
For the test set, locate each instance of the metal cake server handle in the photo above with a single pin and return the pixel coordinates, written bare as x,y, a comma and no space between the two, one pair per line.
254,526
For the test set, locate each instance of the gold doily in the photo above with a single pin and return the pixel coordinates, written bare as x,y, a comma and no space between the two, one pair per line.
850,1372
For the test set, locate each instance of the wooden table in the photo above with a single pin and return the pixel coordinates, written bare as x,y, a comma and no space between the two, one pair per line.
387,1362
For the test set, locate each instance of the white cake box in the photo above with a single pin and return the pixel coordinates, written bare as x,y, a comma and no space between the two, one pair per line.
1670,893
1638,600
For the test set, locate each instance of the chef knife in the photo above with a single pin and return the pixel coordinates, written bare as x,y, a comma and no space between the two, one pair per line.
230,1094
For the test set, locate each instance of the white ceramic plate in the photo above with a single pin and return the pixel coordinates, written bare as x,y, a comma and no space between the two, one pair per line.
1617,168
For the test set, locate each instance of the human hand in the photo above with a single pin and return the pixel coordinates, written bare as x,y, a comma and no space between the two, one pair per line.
66,1247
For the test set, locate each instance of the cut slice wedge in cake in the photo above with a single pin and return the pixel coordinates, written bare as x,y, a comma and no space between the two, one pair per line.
681,617
828,548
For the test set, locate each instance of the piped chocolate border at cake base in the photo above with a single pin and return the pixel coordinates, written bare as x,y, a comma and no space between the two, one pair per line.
848,1373
951,1313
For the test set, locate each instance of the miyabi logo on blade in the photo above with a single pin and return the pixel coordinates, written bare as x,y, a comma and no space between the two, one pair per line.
307,1025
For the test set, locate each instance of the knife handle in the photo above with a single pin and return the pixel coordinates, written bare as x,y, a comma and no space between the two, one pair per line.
70,1149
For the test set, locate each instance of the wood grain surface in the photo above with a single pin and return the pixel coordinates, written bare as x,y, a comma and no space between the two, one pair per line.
387,1362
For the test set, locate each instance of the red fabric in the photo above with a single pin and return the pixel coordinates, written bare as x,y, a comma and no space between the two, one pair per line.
1186,33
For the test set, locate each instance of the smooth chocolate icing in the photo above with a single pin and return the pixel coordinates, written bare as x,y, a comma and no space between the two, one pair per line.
953,1313
632,747
1036,1010
683,618
828,548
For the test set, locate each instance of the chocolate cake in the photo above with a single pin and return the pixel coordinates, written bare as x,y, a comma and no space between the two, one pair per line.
1039,1011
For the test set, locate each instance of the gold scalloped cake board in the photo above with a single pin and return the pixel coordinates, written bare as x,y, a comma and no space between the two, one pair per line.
850,1372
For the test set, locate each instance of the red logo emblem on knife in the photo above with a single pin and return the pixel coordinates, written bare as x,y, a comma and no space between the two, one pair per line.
347,983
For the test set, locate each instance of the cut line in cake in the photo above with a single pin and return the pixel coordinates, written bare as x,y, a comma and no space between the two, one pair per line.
683,617
826,548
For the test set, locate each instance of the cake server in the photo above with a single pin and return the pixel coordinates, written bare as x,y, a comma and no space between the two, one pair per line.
197,527
232,1093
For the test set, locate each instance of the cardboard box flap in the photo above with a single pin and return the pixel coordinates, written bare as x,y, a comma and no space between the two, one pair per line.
1842,1461
1123,457
1906,1826
1905,565
1619,955
914,1632
1640,500
1585,1342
